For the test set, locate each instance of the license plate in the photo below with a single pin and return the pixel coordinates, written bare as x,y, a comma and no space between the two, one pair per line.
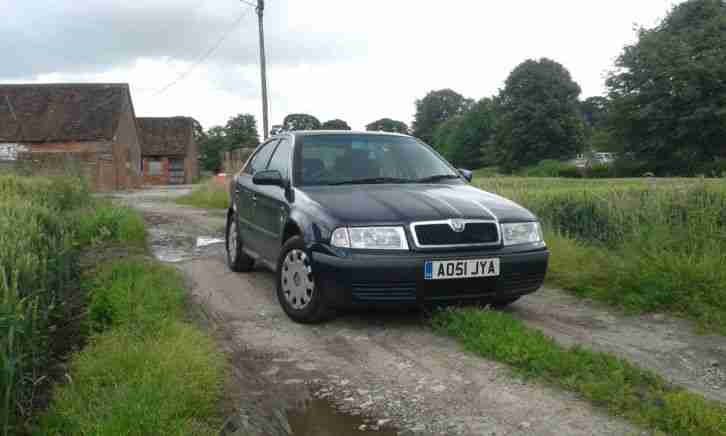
460,269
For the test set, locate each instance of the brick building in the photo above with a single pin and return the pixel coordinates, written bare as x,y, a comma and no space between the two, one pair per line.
169,152
86,128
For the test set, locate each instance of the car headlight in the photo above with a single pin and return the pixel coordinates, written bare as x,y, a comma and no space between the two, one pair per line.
521,233
370,238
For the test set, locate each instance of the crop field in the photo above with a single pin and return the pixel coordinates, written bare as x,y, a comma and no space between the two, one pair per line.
640,244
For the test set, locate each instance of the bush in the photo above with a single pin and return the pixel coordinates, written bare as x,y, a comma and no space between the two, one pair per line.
714,169
568,170
600,171
546,168
628,167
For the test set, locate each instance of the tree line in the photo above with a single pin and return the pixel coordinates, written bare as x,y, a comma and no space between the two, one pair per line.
664,111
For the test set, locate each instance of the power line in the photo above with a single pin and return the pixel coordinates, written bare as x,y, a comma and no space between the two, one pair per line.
204,57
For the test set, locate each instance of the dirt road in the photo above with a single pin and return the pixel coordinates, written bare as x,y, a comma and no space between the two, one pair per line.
391,367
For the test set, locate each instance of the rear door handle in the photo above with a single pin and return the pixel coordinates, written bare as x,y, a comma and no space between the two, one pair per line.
254,197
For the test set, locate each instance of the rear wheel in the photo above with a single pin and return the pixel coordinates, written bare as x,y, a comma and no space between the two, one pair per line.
299,297
237,259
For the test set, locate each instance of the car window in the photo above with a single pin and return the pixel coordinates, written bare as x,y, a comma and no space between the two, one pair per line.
261,157
281,159
335,158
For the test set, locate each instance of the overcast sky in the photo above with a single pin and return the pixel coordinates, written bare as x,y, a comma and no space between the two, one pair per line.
358,60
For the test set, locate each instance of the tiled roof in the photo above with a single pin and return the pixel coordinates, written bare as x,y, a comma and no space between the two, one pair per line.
165,136
61,112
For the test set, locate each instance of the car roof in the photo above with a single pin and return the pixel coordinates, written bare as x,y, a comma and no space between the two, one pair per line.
337,132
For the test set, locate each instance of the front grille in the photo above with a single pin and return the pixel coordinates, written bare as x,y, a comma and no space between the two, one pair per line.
385,291
441,234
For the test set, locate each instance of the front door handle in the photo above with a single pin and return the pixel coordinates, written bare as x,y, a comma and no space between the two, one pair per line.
254,197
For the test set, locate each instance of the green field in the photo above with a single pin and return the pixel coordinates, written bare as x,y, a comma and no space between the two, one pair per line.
641,244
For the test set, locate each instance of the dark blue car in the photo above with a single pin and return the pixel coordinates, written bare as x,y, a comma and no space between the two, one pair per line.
347,219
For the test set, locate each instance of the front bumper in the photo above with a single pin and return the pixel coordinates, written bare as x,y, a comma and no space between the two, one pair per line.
356,279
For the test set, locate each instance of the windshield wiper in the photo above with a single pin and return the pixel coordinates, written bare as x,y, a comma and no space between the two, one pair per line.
437,178
373,180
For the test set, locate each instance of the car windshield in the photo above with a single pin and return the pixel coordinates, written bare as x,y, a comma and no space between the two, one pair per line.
334,159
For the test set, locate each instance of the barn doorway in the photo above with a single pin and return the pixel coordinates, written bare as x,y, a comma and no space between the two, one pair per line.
176,171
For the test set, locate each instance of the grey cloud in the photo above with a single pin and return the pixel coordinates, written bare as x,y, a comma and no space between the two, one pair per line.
88,36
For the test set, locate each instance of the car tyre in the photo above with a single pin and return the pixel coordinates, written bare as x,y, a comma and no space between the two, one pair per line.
237,259
299,297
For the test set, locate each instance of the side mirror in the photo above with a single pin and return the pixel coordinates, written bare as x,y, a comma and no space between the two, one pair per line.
268,178
467,174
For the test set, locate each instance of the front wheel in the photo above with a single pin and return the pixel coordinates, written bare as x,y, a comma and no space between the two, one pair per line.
237,259
301,300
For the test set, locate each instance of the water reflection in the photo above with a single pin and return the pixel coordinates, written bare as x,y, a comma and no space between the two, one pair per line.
320,418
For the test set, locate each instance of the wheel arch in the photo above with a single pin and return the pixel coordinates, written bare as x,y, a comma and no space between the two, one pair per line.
298,223
292,228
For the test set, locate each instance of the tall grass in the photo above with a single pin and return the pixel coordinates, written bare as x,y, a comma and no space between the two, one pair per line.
209,195
146,371
40,238
644,245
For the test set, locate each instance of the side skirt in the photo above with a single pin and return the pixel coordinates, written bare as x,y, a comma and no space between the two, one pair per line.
264,262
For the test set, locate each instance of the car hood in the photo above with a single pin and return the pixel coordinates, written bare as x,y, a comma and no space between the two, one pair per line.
406,203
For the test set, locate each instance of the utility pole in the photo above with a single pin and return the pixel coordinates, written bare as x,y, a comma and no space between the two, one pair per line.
263,66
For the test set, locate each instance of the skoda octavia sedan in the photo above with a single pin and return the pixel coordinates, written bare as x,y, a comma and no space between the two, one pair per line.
347,219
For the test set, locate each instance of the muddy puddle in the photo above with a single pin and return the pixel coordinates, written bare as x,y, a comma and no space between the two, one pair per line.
171,245
320,418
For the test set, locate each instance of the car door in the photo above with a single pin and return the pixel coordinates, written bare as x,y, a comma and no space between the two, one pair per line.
246,196
272,205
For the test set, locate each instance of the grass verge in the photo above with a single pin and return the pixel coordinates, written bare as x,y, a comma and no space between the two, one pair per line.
146,370
208,195
620,387
45,222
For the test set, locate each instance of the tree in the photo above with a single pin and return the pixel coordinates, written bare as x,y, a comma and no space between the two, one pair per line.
301,122
434,109
241,131
444,136
538,115
467,140
668,90
335,124
211,148
594,111
388,125
197,131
